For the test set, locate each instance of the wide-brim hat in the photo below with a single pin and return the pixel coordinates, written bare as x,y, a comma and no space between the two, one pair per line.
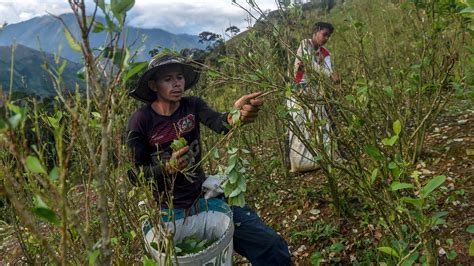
143,93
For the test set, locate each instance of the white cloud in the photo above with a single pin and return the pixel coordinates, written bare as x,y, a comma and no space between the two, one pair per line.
16,11
178,16
25,15
192,17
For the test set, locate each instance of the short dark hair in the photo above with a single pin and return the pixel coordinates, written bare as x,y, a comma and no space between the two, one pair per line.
323,25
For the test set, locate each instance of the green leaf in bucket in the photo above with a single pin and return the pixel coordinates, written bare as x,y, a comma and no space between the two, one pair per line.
202,243
191,244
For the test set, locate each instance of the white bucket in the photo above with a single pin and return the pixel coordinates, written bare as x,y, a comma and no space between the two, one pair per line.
213,222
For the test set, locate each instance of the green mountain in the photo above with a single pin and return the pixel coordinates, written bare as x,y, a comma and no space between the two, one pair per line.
46,34
29,75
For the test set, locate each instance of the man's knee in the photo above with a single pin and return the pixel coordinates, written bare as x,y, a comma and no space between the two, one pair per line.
279,250
258,242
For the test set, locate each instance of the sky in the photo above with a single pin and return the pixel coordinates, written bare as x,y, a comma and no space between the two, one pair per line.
176,16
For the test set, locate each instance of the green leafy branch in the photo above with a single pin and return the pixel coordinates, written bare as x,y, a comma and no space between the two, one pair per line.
236,185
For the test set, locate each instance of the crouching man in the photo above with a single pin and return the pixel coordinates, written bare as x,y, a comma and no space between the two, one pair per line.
169,115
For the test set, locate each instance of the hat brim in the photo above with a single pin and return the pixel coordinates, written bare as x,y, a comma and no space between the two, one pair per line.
143,92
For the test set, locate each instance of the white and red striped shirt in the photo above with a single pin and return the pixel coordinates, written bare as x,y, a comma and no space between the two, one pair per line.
320,60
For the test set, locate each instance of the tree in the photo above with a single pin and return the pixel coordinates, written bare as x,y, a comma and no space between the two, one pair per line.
3,25
154,52
232,30
212,39
195,54
207,36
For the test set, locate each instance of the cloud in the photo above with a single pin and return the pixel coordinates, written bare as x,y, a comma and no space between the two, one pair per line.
179,16
17,11
186,17
192,17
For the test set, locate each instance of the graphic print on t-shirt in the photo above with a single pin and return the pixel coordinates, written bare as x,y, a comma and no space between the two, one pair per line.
169,131
186,124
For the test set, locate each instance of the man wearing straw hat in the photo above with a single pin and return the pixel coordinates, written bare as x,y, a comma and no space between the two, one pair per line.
169,115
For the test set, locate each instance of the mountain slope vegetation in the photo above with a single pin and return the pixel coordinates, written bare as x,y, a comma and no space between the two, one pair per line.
29,75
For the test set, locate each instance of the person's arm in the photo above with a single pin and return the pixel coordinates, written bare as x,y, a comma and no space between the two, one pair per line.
142,158
327,63
137,144
298,65
219,122
334,76
212,119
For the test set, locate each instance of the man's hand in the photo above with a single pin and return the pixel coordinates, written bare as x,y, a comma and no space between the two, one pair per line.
248,106
179,160
335,78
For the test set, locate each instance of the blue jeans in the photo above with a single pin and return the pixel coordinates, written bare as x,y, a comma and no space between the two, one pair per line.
256,241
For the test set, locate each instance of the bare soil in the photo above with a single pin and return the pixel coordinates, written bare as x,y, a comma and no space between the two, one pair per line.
449,151
307,220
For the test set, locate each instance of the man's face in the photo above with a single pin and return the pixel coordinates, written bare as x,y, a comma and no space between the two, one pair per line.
169,84
321,37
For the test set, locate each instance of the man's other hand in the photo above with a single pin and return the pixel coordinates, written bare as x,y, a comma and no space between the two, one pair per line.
179,160
335,78
248,106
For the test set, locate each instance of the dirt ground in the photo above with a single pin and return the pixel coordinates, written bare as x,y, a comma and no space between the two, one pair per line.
308,223
449,151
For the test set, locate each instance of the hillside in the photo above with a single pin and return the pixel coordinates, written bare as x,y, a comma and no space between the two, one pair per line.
29,77
377,49
391,145
46,33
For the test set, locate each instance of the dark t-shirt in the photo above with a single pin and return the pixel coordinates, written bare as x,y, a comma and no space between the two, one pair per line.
150,136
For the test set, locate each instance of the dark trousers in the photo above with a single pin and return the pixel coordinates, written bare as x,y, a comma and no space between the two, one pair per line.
256,241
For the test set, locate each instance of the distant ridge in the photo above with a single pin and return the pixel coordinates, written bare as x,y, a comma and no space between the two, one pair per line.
29,78
46,33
